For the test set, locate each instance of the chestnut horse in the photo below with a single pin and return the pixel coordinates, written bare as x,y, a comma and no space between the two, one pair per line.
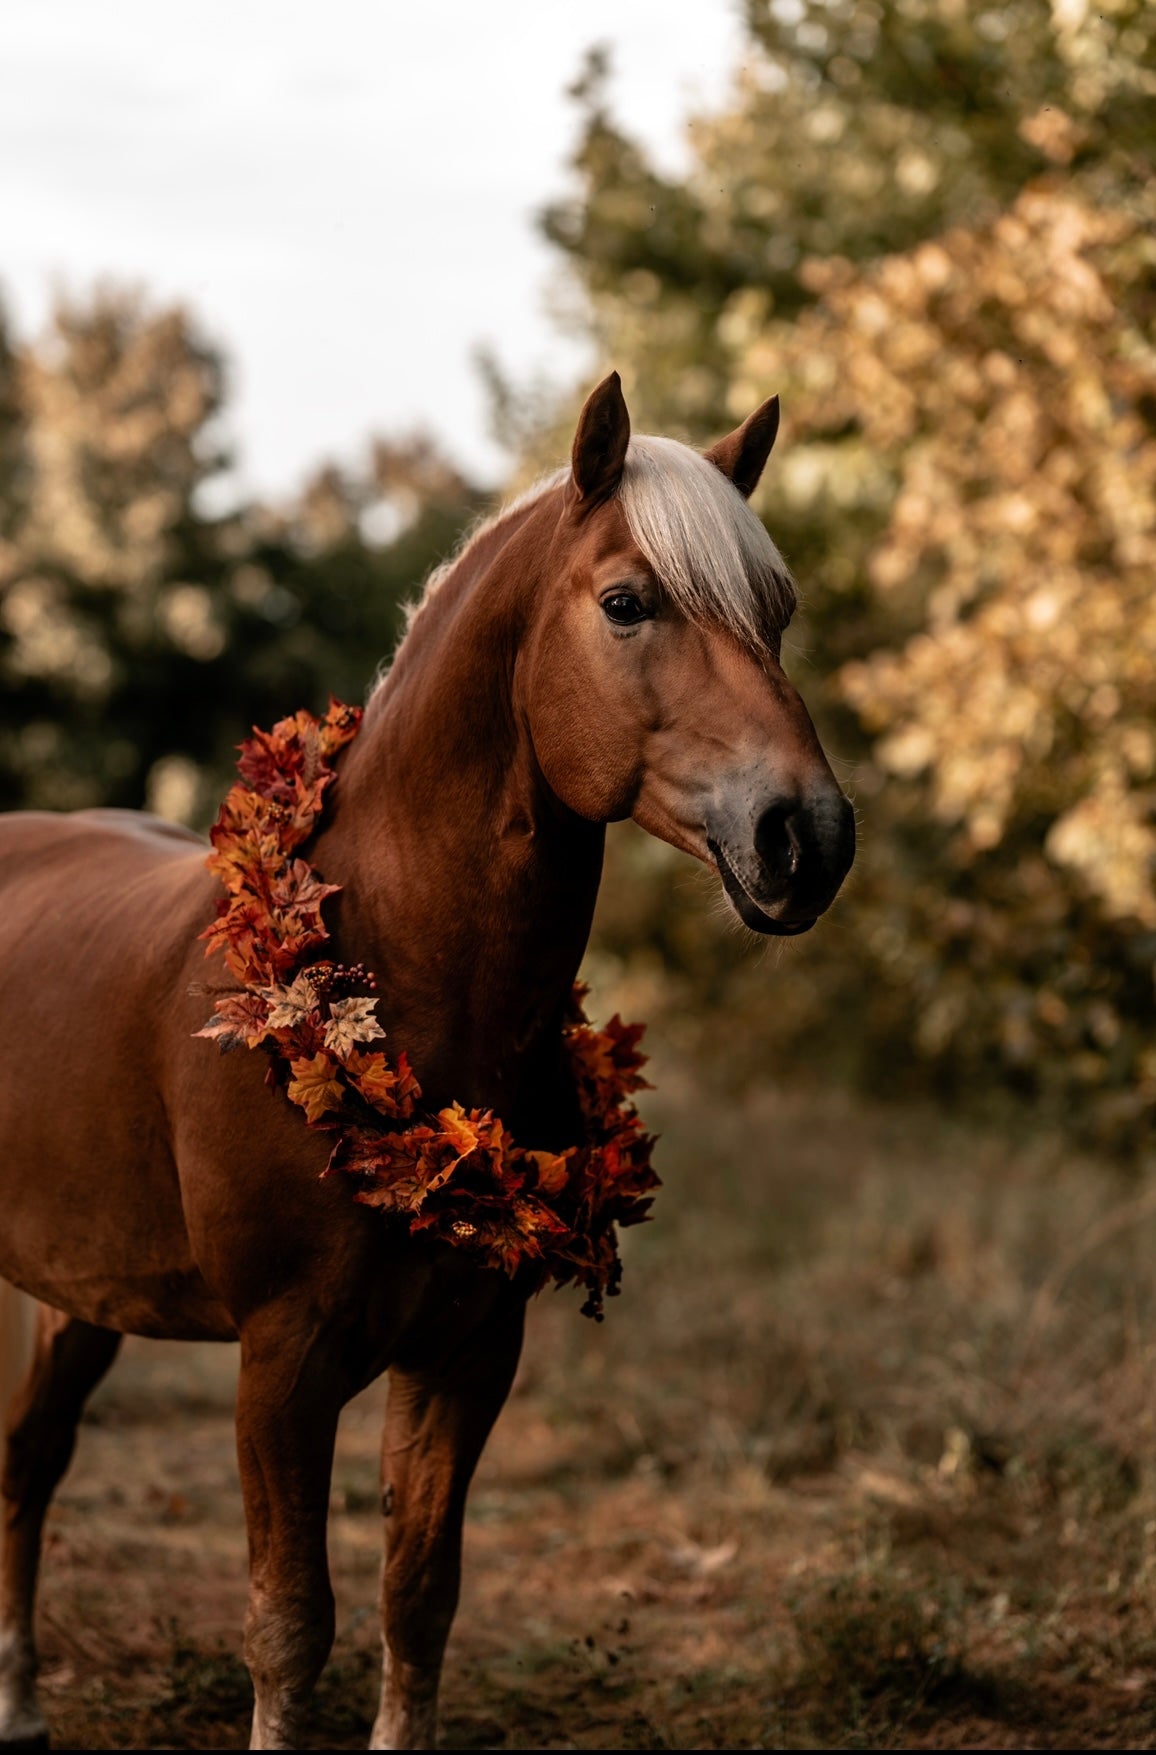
607,647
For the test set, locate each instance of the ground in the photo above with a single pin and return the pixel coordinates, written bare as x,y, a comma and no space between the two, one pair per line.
862,1458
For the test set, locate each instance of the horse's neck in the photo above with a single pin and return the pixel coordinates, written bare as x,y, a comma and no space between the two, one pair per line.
467,887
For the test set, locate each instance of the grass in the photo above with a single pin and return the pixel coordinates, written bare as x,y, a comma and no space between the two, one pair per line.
863,1458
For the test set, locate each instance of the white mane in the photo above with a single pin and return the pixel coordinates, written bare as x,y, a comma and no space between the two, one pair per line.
703,542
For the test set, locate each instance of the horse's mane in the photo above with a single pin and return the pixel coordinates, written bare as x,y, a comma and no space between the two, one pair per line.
712,555
708,549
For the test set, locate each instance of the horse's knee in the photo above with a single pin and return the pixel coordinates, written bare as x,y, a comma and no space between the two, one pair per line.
288,1637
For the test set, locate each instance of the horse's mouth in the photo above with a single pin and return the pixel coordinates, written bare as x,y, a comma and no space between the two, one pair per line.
749,911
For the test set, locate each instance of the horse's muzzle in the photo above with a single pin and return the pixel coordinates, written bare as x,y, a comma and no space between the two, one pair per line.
782,864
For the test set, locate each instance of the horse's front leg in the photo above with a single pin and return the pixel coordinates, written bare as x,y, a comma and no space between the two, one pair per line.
435,1428
289,1397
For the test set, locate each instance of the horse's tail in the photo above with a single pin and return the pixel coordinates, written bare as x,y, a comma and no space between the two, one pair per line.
17,1324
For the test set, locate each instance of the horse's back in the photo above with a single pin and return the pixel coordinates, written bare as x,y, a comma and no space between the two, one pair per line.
140,824
99,913
45,839
64,879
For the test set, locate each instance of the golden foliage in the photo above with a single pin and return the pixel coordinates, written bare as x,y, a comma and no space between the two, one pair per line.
114,404
1011,378
1006,377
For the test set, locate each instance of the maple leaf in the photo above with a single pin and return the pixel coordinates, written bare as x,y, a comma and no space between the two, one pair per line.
339,726
459,1136
239,1021
553,1169
302,813
287,938
480,1136
537,1221
510,1241
315,1085
242,932
290,1006
407,1093
240,852
498,1145
622,1040
593,1053
269,761
351,1021
459,1129
364,1152
404,1168
374,1079
300,891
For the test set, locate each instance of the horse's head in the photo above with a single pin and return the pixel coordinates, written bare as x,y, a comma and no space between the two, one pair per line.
651,677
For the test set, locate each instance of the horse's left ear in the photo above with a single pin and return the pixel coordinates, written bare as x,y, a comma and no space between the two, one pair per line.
599,453
742,455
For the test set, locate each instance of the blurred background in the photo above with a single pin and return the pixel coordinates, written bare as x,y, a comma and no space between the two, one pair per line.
289,304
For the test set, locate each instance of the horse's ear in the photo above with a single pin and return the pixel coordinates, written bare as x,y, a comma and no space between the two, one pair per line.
600,442
742,455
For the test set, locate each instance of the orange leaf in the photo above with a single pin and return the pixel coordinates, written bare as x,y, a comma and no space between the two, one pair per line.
553,1170
315,1085
373,1077
460,1130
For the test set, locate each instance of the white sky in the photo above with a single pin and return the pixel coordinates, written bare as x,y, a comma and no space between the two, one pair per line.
343,191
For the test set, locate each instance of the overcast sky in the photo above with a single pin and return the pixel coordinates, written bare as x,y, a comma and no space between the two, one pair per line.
343,191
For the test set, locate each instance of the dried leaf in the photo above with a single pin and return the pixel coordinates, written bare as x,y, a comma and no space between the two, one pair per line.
351,1021
290,1006
374,1079
239,1022
316,1086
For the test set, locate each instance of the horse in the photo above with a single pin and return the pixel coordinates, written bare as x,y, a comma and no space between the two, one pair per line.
17,1322
605,647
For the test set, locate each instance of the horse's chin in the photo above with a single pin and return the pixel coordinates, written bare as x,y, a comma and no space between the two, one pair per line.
748,910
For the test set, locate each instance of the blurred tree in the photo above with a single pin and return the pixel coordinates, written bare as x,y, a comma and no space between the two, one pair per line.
140,633
967,490
1005,379
856,127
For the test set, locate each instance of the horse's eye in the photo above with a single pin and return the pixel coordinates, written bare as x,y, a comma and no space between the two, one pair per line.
624,608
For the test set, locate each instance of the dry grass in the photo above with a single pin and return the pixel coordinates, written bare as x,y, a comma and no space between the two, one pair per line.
864,1457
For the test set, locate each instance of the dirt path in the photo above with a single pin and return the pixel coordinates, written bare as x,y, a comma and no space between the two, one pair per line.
802,1489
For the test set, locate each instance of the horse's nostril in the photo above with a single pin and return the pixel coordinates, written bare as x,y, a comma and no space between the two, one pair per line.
777,842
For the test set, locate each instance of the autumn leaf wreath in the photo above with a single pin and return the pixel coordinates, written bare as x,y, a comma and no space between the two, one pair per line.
456,1176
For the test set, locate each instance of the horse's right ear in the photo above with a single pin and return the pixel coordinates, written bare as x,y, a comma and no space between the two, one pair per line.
600,442
742,455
